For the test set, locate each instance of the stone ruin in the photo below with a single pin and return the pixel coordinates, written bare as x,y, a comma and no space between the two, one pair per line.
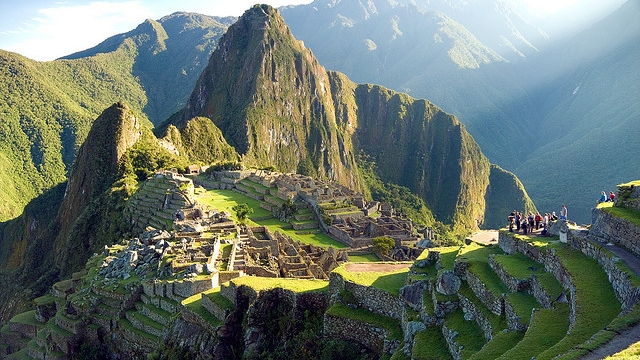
277,255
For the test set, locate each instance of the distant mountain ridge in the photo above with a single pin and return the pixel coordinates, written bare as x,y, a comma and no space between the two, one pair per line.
278,106
49,106
523,111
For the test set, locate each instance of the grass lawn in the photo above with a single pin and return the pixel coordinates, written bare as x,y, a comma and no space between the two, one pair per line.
364,258
499,344
390,282
224,200
630,215
430,345
547,328
470,335
315,238
298,286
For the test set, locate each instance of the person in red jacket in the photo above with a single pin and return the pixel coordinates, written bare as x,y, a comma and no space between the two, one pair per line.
538,219
612,196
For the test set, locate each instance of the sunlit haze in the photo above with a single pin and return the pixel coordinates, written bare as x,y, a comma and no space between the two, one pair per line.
45,30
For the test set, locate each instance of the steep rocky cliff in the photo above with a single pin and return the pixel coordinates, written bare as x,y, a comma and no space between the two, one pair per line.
279,107
272,100
94,171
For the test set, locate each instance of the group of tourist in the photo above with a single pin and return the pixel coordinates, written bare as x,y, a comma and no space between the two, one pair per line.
533,222
605,198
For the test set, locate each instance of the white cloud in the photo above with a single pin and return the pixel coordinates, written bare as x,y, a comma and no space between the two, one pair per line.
62,30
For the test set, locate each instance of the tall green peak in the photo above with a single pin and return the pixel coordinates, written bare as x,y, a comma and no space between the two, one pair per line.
277,106
272,100
94,171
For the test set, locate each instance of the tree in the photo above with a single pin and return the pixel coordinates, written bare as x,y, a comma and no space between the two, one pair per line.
242,211
383,244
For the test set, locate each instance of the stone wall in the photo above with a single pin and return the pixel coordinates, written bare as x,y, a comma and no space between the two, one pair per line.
510,245
513,283
625,291
495,303
450,335
375,300
616,230
472,312
514,321
371,336
188,287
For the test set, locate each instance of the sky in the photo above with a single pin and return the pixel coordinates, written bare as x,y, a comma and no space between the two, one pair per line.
44,30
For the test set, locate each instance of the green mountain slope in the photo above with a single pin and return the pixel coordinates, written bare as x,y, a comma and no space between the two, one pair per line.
49,106
278,107
551,118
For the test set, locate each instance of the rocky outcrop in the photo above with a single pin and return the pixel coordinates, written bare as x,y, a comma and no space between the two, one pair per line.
94,171
285,110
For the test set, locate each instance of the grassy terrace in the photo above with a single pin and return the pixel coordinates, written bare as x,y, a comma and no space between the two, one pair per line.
498,323
596,303
126,324
194,304
364,258
217,298
28,318
363,315
499,344
430,345
547,328
447,260
519,266
476,255
224,200
522,304
630,215
470,335
390,282
298,286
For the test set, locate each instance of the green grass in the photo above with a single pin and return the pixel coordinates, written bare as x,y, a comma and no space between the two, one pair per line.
390,282
550,284
295,285
194,304
224,200
499,344
519,265
470,335
477,256
317,239
126,324
363,315
145,320
632,352
215,296
430,345
447,260
547,328
363,258
596,303
27,317
522,304
498,322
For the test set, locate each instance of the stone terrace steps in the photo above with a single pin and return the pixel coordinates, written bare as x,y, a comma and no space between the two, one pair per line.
542,320
145,324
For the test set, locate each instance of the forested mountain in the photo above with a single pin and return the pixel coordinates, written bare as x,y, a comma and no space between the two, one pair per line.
48,107
265,100
519,105
279,107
